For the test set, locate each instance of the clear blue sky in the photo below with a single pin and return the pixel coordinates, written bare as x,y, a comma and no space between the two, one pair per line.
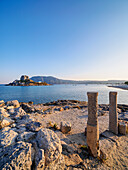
70,39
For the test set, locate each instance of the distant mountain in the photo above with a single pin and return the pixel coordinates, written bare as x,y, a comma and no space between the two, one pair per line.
54,80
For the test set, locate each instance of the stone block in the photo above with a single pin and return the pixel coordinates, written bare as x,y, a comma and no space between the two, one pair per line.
65,127
113,115
122,128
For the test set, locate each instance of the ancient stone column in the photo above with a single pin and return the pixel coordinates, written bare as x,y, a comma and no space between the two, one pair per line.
92,124
113,115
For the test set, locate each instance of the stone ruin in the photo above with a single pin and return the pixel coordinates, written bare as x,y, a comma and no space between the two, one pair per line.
92,123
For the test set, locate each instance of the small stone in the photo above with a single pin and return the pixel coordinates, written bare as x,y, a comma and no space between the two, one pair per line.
34,126
40,160
7,137
26,136
2,103
65,127
11,111
27,108
103,155
66,108
13,125
6,122
60,109
21,129
122,128
51,144
9,107
14,103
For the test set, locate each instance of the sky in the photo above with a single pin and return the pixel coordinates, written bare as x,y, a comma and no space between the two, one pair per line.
68,39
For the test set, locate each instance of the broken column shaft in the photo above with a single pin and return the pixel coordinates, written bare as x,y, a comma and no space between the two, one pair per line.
92,124
113,115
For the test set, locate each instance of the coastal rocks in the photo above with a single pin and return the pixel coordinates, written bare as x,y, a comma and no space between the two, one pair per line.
5,122
51,144
2,103
27,108
17,156
4,112
14,103
7,137
65,127
19,112
40,160
26,136
21,128
34,126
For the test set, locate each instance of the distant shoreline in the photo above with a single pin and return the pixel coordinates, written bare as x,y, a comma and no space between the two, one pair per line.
124,87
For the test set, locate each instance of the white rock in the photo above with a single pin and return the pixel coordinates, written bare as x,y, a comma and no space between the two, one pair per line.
9,107
1,103
51,144
6,122
14,103
11,110
7,137
4,112
16,157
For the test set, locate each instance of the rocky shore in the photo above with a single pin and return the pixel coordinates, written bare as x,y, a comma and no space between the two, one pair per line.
53,136
124,87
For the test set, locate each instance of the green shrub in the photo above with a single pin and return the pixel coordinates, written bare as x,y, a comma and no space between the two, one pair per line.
126,82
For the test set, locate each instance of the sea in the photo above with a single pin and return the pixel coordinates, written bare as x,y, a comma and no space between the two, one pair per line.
43,94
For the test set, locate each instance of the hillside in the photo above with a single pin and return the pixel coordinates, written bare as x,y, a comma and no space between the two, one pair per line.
54,80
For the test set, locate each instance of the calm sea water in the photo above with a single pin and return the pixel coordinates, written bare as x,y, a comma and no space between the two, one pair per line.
43,94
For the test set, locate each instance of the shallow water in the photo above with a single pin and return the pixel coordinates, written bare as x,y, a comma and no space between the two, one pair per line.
43,94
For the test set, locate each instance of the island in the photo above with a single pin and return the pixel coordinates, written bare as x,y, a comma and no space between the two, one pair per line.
26,81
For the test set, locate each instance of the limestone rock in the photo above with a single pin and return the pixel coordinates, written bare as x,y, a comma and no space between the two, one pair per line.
1,117
14,103
17,156
40,160
6,122
65,127
27,108
2,103
51,144
7,137
106,147
4,112
26,136
19,112
21,129
66,107
11,110
60,109
122,128
57,165
34,126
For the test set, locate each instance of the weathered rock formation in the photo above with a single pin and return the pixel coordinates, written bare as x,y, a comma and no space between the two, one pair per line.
24,144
